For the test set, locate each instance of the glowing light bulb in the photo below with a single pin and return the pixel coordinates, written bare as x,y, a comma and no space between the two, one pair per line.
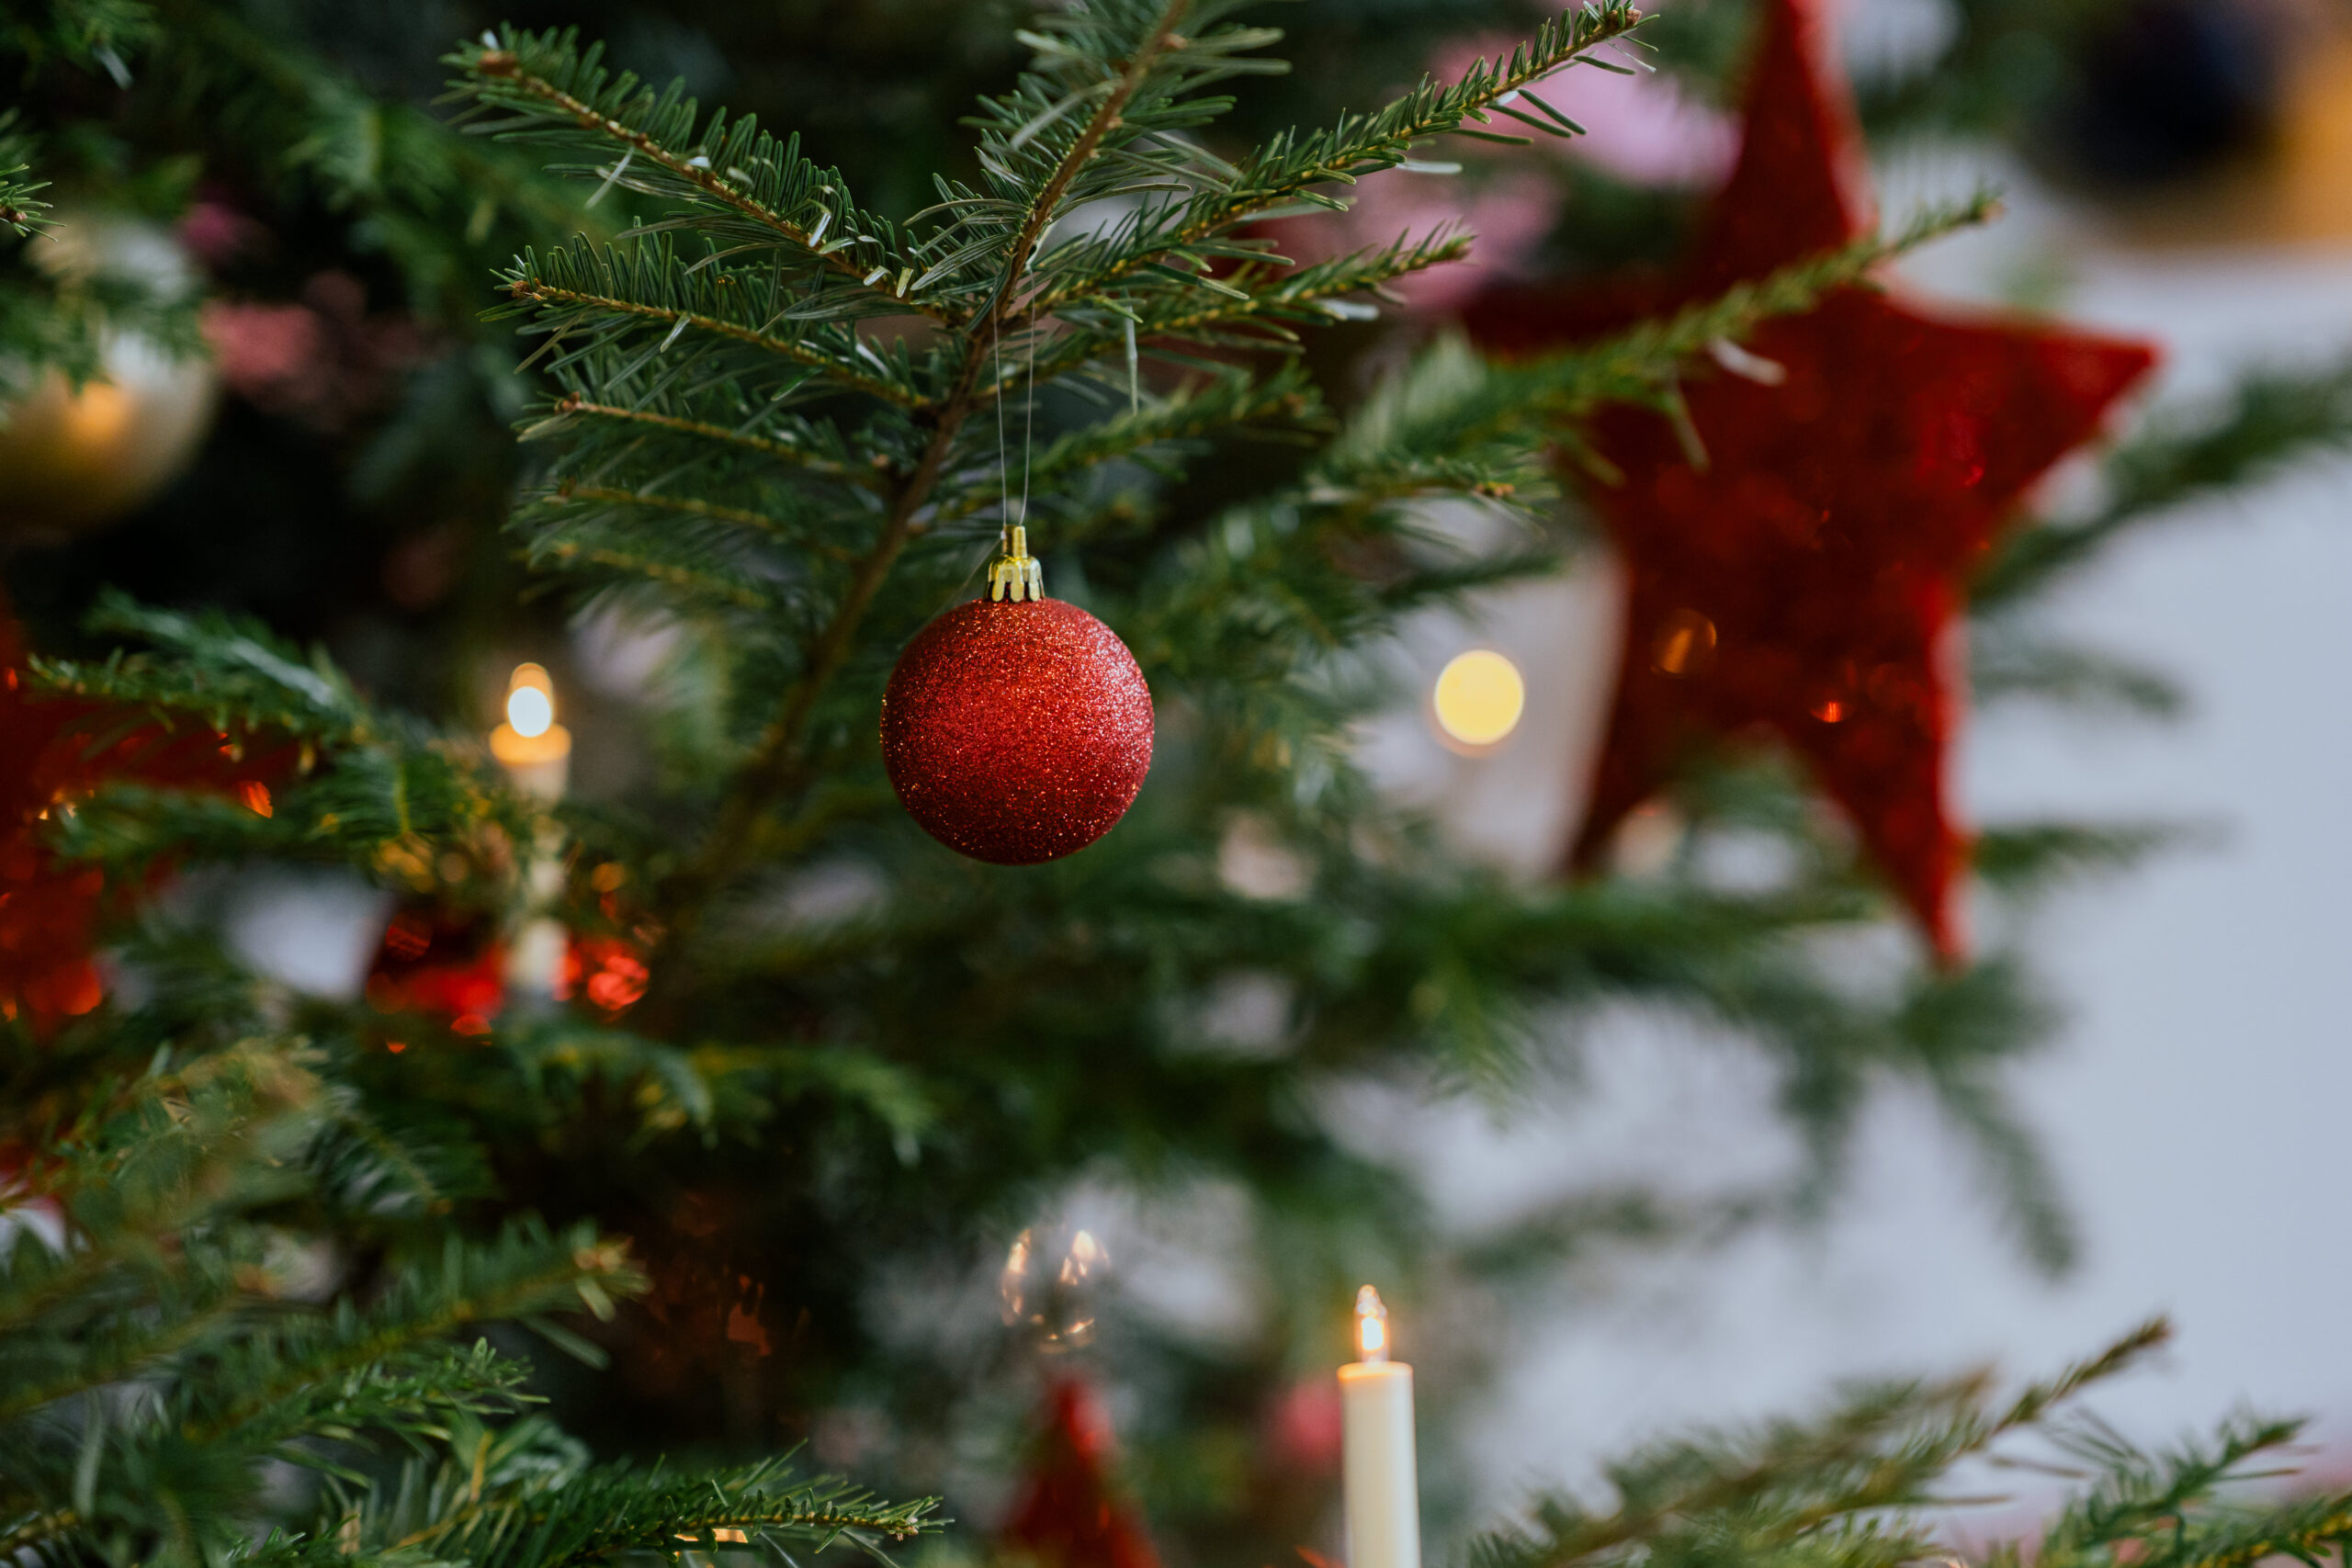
1371,1327
530,701
1479,697
534,749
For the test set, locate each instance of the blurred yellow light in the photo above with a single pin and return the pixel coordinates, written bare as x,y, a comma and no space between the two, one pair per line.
1479,697
530,701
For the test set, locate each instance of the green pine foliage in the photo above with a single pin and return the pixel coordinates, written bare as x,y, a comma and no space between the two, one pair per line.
786,426
227,1306
1869,1482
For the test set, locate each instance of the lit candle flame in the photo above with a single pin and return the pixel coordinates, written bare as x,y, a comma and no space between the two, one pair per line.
530,701
1371,1327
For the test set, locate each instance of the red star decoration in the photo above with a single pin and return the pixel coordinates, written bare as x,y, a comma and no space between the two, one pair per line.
1806,581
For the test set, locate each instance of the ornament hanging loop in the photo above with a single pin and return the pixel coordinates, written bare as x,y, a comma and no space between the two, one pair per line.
1014,575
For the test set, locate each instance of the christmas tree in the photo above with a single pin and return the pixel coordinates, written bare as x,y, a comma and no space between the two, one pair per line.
732,1003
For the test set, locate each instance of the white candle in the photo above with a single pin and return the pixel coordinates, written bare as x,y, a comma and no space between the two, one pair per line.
531,746
535,751
1382,1479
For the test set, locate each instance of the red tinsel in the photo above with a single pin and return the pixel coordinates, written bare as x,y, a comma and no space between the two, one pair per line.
1806,579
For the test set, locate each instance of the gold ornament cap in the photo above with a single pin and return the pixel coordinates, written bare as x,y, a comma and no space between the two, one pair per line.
1014,575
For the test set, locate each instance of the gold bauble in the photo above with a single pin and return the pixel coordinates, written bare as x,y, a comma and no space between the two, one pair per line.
73,458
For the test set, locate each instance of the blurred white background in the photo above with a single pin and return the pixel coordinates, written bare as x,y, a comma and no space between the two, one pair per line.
2197,1102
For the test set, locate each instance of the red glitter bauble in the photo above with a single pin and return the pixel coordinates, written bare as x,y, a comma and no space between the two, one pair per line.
1017,732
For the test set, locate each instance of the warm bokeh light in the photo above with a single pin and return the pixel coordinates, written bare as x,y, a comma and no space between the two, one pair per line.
1479,697
1372,1325
1685,645
530,701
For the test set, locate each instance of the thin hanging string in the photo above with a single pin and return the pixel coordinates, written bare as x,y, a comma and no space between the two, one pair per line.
1029,427
1003,478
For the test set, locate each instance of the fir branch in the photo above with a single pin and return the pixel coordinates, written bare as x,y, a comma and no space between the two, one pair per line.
696,579
2005,663
523,1270
1272,302
608,290
20,204
1880,1449
597,1515
2270,418
40,1528
1046,203
782,451
2028,858
1288,397
1455,422
776,766
685,506
226,671
554,92
1289,170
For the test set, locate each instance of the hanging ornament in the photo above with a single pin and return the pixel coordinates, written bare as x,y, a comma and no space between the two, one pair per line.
1808,581
74,459
1016,728
1069,1515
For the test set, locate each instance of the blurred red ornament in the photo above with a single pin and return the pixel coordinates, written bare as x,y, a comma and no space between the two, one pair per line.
54,751
609,972
1809,580
451,964
439,961
1068,1515
1304,1428
1017,732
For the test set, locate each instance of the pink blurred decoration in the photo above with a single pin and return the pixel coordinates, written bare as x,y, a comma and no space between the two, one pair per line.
321,362
1639,128
264,352
1643,129
1509,215
1302,1428
217,233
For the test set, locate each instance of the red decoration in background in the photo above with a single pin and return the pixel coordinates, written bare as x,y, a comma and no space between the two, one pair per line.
450,965
1016,732
1069,1515
49,756
1809,580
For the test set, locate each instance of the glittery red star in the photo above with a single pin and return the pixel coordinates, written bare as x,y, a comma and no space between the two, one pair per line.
1809,580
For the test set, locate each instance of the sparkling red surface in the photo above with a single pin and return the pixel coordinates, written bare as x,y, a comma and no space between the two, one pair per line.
1827,543
1017,732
